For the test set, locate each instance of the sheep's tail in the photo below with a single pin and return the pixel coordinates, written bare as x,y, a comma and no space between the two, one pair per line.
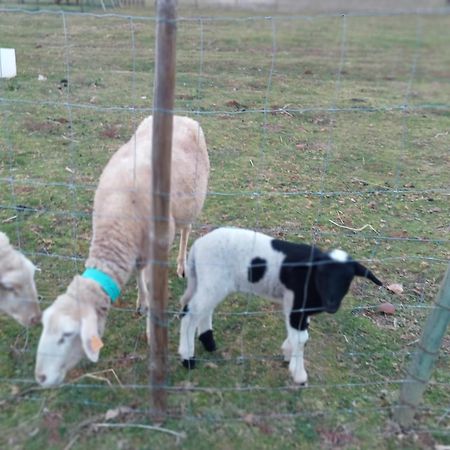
191,275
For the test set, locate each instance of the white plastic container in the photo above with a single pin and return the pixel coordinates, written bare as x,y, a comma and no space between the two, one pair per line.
7,63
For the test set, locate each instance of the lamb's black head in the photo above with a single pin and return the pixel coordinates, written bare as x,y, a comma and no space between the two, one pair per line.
333,276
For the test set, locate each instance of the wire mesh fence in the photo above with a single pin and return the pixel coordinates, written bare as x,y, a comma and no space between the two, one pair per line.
322,129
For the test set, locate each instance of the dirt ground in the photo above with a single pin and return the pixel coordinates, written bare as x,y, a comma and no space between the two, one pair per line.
322,6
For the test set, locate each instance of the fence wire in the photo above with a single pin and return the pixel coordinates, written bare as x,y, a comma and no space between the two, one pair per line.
329,129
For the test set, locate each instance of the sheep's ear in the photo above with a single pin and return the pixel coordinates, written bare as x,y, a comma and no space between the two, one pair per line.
31,266
3,239
7,282
362,271
90,339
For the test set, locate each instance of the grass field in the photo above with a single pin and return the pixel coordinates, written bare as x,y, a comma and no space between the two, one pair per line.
332,129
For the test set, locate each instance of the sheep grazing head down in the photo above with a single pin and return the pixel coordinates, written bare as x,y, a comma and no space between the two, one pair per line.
71,331
18,295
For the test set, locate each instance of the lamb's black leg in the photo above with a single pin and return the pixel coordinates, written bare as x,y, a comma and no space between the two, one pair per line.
189,363
207,339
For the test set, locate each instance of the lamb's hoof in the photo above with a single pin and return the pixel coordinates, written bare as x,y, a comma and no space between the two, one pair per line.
300,383
207,339
189,363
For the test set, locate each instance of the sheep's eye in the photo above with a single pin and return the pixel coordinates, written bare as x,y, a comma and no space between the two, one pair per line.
8,287
64,336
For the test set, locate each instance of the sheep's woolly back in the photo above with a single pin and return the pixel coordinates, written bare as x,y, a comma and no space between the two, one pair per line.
121,218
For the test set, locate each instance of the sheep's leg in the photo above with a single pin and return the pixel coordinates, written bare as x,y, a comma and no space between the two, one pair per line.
189,323
197,315
297,340
186,347
181,259
288,302
142,302
287,350
205,332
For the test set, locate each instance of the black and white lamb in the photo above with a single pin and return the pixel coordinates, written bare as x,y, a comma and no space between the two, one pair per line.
304,279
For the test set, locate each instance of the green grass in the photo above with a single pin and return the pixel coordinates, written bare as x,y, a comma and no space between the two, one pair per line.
302,172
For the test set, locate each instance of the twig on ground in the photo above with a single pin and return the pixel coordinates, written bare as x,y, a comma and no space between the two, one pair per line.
178,435
92,423
9,219
96,376
367,225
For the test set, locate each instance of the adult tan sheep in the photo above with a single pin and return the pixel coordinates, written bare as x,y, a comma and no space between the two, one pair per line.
18,295
74,323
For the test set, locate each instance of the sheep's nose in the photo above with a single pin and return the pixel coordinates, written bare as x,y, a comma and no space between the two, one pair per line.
41,378
36,319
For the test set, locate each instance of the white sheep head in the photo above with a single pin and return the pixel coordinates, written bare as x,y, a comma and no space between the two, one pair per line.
18,294
71,331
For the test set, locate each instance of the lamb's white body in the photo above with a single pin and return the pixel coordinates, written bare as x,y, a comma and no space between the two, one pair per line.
220,260
18,295
121,240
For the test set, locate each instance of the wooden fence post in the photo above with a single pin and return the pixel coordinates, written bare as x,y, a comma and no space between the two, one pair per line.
427,352
163,102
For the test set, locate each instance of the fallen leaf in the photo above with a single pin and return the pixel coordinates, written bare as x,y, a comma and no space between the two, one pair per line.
387,308
233,103
211,365
250,419
116,412
396,288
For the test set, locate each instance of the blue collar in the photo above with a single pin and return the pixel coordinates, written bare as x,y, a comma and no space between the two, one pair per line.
105,281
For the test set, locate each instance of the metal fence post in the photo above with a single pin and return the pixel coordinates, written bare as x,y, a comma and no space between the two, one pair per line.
420,369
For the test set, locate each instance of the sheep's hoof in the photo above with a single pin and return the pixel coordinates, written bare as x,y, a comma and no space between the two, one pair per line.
181,272
301,383
207,339
189,363
142,310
